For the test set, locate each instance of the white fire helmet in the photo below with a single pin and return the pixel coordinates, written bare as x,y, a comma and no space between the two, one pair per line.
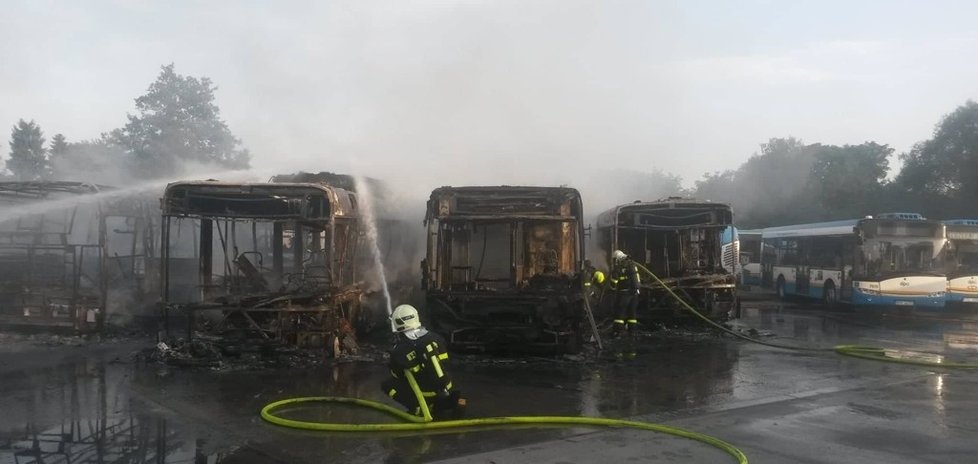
618,255
405,317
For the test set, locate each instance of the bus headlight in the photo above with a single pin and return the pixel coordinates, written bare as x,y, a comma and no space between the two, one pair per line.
936,295
870,292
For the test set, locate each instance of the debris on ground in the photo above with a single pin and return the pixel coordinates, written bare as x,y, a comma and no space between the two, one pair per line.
242,354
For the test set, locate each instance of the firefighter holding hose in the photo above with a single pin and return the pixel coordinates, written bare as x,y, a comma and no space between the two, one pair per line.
419,367
625,282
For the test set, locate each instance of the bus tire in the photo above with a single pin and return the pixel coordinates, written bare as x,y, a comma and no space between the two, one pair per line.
780,288
830,296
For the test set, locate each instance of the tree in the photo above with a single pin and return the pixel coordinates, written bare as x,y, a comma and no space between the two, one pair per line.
790,182
719,186
28,158
58,145
92,161
177,123
848,181
764,190
57,152
945,166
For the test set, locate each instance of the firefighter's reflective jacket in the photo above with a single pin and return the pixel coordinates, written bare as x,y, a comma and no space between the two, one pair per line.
624,276
427,359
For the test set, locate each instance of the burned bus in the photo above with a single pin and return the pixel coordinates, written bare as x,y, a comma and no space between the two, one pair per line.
682,242
72,255
399,242
51,256
262,260
502,267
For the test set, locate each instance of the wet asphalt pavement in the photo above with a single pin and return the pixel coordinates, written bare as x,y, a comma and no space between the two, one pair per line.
94,403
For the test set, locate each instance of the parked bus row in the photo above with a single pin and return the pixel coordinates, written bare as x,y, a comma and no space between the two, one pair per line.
892,259
286,260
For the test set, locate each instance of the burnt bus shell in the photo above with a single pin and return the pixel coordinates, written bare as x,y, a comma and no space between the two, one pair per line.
679,240
502,267
55,270
277,260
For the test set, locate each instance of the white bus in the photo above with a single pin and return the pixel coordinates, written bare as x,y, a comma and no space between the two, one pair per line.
894,259
962,261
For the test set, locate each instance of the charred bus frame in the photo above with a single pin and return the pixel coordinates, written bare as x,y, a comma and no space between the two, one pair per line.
52,271
502,267
308,294
681,241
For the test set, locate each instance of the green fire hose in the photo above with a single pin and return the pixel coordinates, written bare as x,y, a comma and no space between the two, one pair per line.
424,423
855,351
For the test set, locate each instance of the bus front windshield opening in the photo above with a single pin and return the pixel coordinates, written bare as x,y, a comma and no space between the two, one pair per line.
902,255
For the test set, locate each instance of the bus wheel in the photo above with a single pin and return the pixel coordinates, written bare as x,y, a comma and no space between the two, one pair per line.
829,296
780,287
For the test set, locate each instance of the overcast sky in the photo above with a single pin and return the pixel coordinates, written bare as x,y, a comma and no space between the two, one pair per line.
478,91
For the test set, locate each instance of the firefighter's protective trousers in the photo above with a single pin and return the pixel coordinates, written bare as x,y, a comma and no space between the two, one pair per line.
625,281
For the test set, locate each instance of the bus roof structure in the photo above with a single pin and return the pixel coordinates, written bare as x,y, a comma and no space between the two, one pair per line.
961,222
909,216
813,229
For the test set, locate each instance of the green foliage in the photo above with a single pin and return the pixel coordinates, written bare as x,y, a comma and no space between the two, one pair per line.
789,182
848,180
945,167
93,161
28,158
59,145
177,124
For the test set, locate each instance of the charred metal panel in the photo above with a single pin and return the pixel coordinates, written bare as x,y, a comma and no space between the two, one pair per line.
502,266
680,241
273,260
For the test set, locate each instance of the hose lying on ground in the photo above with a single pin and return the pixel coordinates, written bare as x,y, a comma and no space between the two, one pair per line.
856,351
421,424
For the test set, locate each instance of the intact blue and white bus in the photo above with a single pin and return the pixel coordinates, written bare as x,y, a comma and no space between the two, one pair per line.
749,271
894,259
962,261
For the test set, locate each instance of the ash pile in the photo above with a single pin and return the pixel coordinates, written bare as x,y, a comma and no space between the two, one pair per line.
218,353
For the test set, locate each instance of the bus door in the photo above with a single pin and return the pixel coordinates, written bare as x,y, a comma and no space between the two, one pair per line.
802,279
803,270
850,251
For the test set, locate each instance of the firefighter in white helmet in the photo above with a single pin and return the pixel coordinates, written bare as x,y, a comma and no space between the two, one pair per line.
625,282
423,355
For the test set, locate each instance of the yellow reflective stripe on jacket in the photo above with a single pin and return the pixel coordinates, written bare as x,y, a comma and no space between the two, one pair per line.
443,356
392,392
437,366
